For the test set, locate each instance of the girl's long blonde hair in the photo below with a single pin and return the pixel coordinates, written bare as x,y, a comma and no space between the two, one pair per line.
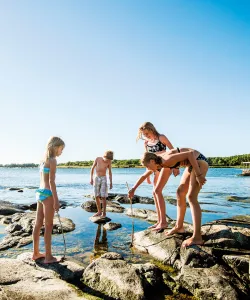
149,126
147,156
53,143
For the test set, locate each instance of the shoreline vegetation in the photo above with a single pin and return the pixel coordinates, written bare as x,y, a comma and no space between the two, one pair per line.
214,162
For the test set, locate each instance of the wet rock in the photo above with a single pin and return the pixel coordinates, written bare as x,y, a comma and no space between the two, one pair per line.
99,220
238,199
33,206
163,248
8,208
227,233
197,257
240,265
68,269
123,198
125,281
90,206
21,226
22,279
211,283
14,189
147,214
112,226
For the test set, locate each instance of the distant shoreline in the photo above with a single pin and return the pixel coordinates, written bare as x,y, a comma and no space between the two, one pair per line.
214,162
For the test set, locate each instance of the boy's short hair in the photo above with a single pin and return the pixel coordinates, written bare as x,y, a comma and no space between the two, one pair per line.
109,154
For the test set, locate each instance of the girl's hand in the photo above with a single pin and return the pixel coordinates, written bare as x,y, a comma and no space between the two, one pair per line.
111,186
131,193
201,180
176,171
56,205
91,182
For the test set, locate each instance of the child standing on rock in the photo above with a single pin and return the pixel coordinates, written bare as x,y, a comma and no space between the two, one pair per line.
101,165
47,200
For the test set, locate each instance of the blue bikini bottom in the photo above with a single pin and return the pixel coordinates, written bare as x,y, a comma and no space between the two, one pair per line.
43,194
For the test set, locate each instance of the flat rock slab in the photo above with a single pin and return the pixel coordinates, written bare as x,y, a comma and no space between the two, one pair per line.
22,279
99,220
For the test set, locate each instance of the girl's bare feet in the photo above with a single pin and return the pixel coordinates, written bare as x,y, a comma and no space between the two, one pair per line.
192,241
174,230
103,215
153,226
52,260
37,256
98,214
160,228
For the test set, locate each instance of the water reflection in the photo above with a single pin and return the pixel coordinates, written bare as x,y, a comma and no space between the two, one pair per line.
100,242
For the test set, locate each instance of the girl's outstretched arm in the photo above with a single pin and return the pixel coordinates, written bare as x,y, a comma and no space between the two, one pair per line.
139,182
52,177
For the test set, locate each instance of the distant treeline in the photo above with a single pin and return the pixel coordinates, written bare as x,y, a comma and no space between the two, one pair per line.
230,161
28,165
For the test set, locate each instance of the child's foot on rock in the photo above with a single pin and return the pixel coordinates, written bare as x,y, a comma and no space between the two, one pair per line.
52,260
175,230
37,256
153,226
103,215
160,228
192,241
98,214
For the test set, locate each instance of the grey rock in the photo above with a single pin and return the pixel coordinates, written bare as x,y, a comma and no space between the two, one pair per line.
240,265
90,206
147,214
123,282
99,220
21,226
8,208
112,226
211,283
163,248
27,280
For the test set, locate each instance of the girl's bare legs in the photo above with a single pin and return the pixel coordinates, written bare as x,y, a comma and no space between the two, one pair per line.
181,203
99,209
156,203
159,200
36,232
194,189
48,210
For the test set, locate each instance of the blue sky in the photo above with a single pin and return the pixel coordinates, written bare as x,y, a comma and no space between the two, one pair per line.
93,71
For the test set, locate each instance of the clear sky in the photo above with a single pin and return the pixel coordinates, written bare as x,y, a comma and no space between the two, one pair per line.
93,71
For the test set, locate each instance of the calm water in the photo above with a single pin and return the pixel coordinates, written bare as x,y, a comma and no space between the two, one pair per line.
88,239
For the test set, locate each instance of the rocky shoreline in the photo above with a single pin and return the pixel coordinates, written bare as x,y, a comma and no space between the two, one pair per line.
217,270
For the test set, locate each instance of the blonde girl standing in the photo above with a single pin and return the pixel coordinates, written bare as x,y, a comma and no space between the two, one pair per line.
47,199
156,143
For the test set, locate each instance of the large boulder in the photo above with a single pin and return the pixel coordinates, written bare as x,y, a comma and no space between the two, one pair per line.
113,276
212,283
